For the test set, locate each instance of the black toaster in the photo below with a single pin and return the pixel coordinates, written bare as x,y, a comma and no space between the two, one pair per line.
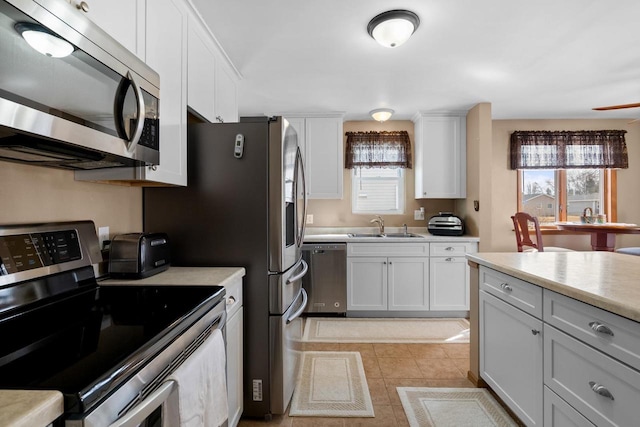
138,255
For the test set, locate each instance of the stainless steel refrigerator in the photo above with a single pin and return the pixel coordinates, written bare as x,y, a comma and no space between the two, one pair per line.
244,205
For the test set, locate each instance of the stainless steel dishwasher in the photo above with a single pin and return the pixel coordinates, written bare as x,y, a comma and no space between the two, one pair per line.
326,281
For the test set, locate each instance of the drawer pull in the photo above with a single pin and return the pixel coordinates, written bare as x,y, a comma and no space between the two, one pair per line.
449,259
449,248
506,287
535,331
231,300
600,328
601,390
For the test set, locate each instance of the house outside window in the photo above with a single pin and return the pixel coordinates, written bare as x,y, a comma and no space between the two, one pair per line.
555,195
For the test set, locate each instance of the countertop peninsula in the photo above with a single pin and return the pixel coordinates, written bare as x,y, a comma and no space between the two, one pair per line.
607,280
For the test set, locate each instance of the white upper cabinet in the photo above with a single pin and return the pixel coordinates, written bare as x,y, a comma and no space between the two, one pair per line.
321,140
201,70
122,19
440,156
166,50
212,81
226,97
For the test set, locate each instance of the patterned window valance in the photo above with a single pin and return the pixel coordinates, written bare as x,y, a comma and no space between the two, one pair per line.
585,149
378,150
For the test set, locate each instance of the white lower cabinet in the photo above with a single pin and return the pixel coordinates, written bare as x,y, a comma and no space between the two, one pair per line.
590,356
558,413
511,357
449,275
235,352
379,281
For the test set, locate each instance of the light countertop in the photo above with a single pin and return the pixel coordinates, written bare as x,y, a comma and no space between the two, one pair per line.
198,276
341,235
606,280
31,408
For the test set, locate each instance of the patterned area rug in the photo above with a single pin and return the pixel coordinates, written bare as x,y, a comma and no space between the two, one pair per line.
459,407
357,330
331,384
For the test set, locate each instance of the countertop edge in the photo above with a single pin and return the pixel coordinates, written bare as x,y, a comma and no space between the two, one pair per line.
624,309
196,276
28,408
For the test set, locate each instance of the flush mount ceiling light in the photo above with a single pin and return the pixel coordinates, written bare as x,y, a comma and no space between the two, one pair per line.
43,40
381,114
394,27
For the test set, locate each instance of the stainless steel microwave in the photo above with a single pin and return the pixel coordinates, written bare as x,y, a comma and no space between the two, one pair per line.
70,95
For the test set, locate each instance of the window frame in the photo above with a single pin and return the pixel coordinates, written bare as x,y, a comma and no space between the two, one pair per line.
402,196
610,190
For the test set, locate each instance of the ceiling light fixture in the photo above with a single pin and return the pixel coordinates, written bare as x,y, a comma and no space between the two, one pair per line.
43,40
394,27
381,114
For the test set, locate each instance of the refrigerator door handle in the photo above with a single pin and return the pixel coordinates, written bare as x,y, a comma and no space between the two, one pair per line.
300,165
305,268
299,311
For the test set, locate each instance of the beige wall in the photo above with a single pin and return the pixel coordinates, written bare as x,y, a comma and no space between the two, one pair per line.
503,182
37,194
479,160
337,213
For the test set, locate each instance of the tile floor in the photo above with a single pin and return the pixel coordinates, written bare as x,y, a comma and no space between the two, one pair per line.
388,366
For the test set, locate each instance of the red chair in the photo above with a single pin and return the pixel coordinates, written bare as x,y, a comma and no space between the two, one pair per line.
521,224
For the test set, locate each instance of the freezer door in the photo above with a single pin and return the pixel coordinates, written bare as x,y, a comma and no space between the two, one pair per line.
286,349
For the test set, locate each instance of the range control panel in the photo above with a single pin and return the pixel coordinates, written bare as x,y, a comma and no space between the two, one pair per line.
22,252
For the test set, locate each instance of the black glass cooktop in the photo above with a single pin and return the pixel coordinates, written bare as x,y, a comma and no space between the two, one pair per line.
69,341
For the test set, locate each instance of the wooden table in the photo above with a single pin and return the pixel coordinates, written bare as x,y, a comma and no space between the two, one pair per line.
603,236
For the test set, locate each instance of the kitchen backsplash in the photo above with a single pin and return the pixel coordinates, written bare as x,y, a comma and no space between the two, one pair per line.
36,194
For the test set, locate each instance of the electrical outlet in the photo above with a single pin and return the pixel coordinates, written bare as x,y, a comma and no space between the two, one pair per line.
309,219
418,215
103,234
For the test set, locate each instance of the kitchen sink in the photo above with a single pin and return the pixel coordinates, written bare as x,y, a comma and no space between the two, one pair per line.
404,235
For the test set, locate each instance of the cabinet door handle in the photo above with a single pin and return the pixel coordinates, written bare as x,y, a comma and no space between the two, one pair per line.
506,287
535,331
600,389
231,300
600,328
449,259
83,6
384,262
449,248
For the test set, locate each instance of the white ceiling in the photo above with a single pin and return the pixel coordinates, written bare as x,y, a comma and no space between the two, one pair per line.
529,59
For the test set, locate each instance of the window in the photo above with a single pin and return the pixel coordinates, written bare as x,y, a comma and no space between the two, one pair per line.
377,160
568,172
377,190
563,194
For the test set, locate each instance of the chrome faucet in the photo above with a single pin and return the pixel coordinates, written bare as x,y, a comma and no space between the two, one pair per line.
405,229
378,220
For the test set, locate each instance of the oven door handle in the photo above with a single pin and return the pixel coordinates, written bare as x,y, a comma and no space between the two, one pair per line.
142,410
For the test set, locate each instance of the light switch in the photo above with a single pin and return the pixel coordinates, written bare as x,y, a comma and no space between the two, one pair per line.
309,219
